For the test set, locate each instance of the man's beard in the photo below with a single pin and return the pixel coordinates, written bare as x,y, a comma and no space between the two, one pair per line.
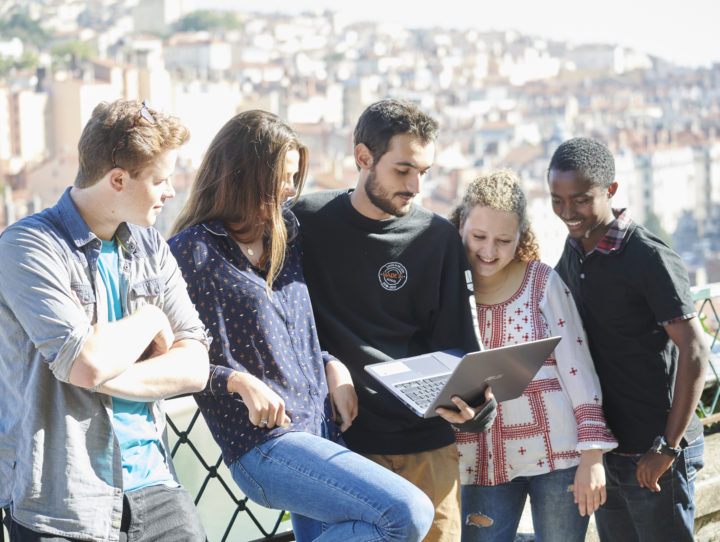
380,199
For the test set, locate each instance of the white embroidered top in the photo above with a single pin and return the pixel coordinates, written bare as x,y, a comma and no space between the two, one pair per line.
560,413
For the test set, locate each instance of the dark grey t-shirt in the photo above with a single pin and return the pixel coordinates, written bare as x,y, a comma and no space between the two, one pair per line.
624,298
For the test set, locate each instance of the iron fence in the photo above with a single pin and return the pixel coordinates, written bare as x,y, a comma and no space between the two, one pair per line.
226,513
706,298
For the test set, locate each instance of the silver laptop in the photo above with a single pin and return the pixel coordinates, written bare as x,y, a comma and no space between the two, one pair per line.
428,381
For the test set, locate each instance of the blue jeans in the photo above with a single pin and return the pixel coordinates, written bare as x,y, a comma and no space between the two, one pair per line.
155,513
636,514
492,513
332,493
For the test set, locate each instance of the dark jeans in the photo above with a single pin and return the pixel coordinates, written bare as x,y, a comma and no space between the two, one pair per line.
150,514
635,514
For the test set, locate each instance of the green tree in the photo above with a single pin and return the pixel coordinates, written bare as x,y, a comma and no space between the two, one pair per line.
6,65
204,19
652,222
19,25
29,60
64,54
335,57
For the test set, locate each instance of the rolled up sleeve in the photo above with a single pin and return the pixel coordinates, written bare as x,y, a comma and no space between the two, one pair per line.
36,286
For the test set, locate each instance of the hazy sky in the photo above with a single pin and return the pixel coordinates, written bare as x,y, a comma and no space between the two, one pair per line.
684,31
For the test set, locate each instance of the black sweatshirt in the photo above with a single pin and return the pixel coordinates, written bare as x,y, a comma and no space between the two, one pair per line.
380,290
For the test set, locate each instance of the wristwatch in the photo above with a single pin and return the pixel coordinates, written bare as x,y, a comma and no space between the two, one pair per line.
660,446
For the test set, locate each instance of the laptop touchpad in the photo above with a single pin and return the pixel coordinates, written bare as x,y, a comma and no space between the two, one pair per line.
448,360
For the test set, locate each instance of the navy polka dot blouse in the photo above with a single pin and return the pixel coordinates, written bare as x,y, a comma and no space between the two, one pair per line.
269,334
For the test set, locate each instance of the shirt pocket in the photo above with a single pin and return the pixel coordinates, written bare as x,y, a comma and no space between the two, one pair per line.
149,290
84,295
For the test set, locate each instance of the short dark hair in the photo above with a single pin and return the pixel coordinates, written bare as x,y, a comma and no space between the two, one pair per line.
119,134
589,157
387,118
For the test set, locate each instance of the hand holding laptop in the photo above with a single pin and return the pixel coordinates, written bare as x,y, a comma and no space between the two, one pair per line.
428,381
464,412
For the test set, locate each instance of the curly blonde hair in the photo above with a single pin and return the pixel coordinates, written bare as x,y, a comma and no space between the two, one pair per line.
499,190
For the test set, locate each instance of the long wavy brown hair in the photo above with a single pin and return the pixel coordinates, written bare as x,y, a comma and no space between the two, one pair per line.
500,191
240,183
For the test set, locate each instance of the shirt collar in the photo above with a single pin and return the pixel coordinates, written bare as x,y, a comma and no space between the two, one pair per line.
75,224
613,238
216,228
124,235
81,233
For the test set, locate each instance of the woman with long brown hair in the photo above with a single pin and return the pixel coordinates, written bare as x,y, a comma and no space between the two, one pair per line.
271,393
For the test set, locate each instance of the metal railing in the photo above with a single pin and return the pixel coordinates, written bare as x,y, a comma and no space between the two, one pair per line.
225,512
706,298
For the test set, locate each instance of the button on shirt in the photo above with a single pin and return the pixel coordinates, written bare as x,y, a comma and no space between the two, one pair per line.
268,333
59,461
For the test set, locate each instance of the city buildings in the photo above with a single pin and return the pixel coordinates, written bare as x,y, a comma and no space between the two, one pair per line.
503,100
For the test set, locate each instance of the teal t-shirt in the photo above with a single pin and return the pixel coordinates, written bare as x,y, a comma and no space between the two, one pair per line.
143,461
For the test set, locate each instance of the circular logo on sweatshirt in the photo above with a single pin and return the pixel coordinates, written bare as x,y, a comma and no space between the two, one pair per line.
392,276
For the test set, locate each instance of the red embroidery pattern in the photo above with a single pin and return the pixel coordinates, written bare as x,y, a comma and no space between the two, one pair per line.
590,413
539,386
521,437
594,433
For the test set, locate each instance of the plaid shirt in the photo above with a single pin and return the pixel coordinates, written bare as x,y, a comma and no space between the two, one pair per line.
613,238
612,241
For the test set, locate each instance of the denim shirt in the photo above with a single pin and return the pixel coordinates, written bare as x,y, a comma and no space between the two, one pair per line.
60,464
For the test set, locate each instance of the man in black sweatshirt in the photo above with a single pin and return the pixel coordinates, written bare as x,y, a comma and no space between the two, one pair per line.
389,279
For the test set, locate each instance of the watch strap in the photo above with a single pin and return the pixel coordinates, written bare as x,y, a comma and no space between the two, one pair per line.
660,446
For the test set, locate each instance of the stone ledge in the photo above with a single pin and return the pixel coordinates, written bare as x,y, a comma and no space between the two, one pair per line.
707,493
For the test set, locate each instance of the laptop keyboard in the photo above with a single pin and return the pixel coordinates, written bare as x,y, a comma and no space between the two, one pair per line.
423,391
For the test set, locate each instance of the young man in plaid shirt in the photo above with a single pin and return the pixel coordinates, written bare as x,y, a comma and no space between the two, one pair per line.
633,294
